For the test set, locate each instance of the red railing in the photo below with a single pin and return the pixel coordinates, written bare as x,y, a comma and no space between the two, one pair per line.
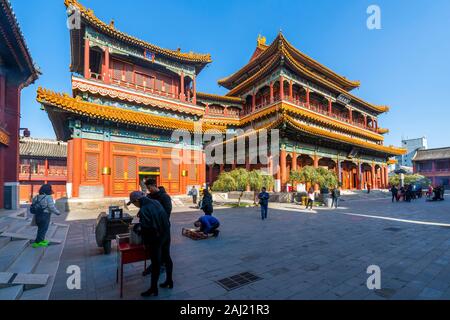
316,107
142,88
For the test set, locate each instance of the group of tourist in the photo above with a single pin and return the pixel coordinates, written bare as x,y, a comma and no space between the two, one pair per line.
411,192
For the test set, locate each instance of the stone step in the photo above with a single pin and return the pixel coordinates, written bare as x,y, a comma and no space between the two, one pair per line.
49,264
30,237
27,260
10,252
14,225
4,242
11,293
28,280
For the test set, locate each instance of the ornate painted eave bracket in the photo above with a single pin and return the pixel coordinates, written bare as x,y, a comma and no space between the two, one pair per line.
4,137
116,115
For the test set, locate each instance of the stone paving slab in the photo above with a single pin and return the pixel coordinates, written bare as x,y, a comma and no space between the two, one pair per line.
319,254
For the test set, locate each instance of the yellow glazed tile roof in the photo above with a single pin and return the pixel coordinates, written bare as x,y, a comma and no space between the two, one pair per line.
114,114
339,137
216,97
264,51
110,30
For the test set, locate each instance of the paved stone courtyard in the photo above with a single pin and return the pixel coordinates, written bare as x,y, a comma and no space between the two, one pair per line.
323,254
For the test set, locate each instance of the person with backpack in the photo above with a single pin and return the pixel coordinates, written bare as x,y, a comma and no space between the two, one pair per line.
207,203
42,207
264,202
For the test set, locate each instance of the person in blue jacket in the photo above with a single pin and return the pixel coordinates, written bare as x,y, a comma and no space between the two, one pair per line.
208,224
264,202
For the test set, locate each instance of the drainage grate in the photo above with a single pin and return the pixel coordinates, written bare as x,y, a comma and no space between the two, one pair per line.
238,281
393,229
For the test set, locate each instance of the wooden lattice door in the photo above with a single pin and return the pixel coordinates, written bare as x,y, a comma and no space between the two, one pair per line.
125,175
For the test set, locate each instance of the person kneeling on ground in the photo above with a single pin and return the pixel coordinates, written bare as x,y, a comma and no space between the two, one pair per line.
207,225
155,228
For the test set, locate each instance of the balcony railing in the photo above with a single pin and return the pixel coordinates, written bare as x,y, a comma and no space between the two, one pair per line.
318,108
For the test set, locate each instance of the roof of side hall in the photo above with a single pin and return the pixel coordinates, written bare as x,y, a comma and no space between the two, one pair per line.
44,148
432,154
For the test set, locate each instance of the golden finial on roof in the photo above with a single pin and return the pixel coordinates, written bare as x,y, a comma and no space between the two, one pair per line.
111,24
261,40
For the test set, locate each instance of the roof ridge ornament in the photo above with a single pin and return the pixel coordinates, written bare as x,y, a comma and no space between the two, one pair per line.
261,40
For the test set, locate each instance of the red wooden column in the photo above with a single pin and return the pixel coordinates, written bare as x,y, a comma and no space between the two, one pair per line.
307,97
290,91
350,115
210,173
271,92
46,170
77,167
386,173
105,71
283,168
373,177
207,108
316,161
281,88
365,121
87,50
106,178
182,96
294,161
330,107
194,90
254,102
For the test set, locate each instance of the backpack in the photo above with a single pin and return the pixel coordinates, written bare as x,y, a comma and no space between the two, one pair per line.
36,207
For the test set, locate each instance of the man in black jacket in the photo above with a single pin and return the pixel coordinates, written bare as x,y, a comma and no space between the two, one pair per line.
160,195
156,237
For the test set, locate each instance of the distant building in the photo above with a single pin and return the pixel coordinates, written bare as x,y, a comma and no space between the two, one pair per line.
434,164
412,145
42,161
17,71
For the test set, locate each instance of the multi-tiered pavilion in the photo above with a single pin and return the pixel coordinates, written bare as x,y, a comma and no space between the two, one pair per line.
129,96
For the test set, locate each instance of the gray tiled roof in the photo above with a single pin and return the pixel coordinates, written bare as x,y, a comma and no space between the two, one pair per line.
42,148
432,154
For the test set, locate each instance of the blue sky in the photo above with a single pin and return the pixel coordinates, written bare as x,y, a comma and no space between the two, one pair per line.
405,65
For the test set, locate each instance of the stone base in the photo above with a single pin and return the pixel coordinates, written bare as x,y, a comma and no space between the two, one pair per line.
91,192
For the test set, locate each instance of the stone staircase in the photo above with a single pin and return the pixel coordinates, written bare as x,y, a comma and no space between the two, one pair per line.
27,273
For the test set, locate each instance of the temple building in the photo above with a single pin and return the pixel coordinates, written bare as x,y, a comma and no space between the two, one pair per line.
42,161
433,164
128,96
322,123
17,71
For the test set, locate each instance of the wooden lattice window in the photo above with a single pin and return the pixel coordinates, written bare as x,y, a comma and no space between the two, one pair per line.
165,167
119,167
129,73
117,70
193,172
92,166
148,162
150,151
174,171
132,168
